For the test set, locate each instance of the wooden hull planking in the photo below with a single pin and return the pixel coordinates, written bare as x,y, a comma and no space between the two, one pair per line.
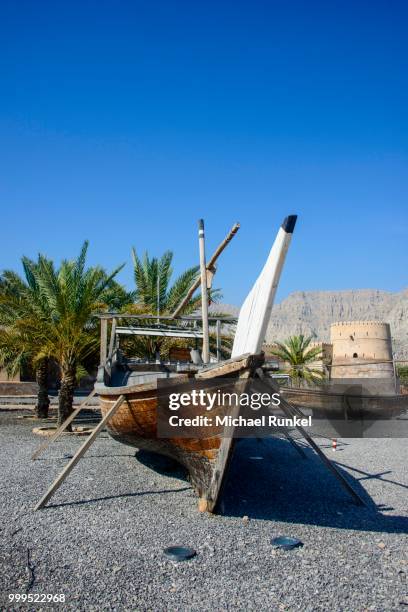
206,458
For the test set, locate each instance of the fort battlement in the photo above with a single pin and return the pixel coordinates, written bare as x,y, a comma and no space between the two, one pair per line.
379,323
373,336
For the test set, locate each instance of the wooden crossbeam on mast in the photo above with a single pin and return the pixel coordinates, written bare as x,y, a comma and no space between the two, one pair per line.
210,268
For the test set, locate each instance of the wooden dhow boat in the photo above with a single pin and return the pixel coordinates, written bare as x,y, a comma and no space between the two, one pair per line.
131,392
135,423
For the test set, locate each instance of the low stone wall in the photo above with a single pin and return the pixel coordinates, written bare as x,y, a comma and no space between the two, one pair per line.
358,368
18,388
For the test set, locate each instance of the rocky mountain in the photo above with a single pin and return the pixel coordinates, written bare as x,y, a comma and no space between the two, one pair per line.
312,312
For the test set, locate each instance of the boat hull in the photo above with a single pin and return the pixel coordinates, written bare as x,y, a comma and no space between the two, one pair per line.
207,456
135,424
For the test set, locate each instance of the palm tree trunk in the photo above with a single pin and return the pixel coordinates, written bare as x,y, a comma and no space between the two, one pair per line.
43,401
66,394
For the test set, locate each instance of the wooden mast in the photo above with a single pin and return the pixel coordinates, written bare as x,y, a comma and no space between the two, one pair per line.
204,297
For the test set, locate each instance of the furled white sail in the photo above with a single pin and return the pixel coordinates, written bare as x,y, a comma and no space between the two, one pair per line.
256,310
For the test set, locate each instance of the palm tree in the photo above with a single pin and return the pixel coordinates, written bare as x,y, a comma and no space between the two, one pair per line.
62,323
155,294
296,352
152,279
74,295
20,300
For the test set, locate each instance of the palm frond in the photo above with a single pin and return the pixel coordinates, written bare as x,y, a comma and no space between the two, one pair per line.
296,353
180,288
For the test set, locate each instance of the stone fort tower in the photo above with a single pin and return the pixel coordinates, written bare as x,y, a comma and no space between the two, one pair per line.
362,349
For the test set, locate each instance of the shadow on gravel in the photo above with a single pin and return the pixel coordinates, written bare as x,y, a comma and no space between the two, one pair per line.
64,457
120,496
161,464
269,480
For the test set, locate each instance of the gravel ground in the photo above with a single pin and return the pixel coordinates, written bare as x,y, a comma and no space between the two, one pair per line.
101,539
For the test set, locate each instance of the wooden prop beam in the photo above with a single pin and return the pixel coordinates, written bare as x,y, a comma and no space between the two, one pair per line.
61,428
358,500
290,411
210,267
79,454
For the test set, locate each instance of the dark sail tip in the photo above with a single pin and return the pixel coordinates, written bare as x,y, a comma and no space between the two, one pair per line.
289,223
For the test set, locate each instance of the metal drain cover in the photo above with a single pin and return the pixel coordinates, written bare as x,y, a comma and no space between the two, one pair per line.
286,542
180,553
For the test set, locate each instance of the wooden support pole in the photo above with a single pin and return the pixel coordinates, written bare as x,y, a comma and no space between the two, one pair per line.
210,267
358,500
344,483
204,297
104,341
112,339
62,427
79,454
218,338
290,411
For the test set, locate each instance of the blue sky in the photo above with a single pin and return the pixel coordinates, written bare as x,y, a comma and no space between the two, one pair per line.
124,122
